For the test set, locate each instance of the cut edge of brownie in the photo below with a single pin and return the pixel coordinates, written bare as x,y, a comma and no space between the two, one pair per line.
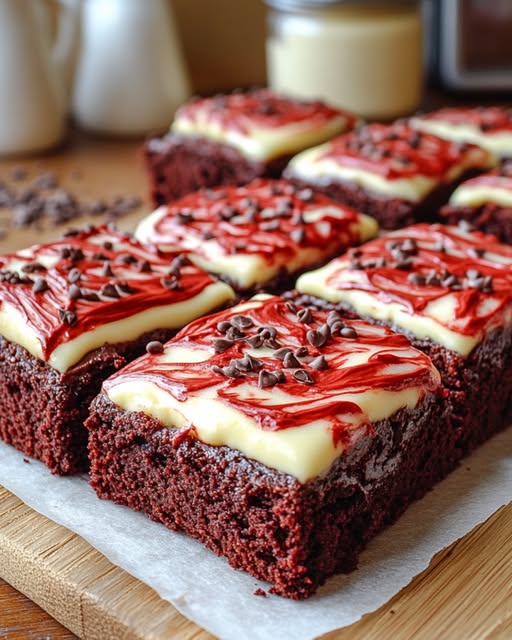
266,522
177,165
489,218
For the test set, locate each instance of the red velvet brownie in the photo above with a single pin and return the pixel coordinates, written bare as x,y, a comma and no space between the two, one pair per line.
391,172
74,311
488,127
450,291
234,138
280,437
257,236
485,202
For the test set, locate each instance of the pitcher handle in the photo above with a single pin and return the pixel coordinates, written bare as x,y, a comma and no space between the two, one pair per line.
66,42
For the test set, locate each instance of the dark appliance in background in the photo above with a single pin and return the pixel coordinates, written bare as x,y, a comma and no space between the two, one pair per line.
469,44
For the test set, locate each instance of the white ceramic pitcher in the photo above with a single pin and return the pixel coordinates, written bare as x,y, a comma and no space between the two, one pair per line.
130,75
33,72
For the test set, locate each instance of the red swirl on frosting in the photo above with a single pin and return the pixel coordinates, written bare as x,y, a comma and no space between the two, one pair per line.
111,271
388,362
472,266
261,107
265,217
397,151
489,120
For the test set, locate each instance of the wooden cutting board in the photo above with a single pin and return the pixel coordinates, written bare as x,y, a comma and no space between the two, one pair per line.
465,593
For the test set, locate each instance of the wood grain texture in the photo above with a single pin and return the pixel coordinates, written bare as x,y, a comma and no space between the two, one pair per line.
466,592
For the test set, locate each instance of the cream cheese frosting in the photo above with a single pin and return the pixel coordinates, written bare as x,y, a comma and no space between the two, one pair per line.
439,282
268,379
63,299
251,233
488,188
261,124
392,161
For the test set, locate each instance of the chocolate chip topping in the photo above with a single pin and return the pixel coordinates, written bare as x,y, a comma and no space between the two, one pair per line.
319,363
222,344
74,292
290,361
67,317
301,375
40,285
154,347
267,379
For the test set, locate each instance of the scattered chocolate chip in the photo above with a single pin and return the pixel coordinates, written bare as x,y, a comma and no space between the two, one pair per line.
255,341
91,296
301,375
74,275
172,284
301,352
281,353
126,258
291,306
109,291
477,252
232,370
242,322
67,317
319,363
233,333
348,332
144,267
221,344
46,181
266,379
306,195
249,363
223,326
227,212
40,285
74,292
315,338
184,217
290,361
33,267
416,279
266,331
305,316
154,347
106,271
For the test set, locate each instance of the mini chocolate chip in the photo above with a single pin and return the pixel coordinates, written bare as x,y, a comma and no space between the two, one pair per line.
281,353
223,326
266,379
232,371
332,317
106,271
348,332
227,212
432,279
325,330
319,363
336,327
216,369
221,344
68,317
109,291
416,279
74,292
249,363
33,267
301,352
290,361
144,267
154,347
280,376
108,245
233,333
255,341
207,235
315,338
477,252
241,322
92,296
306,195
74,275
301,375
291,306
267,331
39,285
126,258
305,316
172,284
183,217
472,274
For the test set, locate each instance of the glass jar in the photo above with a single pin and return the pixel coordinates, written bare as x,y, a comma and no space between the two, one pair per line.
363,55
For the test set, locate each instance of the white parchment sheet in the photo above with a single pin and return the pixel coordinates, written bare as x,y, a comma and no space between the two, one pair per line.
205,589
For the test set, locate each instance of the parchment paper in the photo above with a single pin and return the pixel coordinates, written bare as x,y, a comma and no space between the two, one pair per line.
205,589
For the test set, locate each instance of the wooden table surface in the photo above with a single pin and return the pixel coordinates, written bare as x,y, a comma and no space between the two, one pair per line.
466,592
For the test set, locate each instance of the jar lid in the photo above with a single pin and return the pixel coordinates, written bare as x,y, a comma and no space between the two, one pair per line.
306,4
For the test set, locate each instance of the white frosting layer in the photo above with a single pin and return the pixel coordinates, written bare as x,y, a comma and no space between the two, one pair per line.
258,143
249,269
173,316
472,194
499,143
309,165
215,410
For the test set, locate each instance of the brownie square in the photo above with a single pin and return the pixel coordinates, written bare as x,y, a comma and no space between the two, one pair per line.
484,202
450,291
489,127
392,172
259,236
235,138
281,438
74,311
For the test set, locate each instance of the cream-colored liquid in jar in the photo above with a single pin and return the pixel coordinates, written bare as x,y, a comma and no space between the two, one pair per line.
367,59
